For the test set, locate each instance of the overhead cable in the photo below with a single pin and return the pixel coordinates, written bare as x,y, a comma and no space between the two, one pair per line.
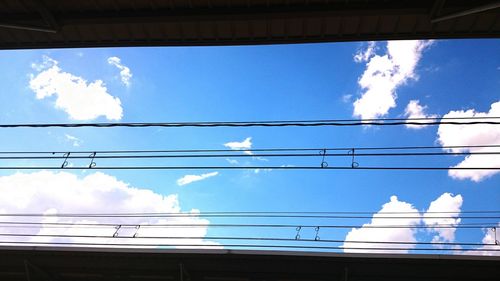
247,215
476,120
283,167
98,152
397,154
13,224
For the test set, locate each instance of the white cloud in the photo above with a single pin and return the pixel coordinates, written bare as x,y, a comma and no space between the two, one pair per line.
456,135
78,98
125,73
365,55
47,62
491,238
445,203
243,145
187,179
76,142
384,74
346,98
491,241
368,233
55,193
415,110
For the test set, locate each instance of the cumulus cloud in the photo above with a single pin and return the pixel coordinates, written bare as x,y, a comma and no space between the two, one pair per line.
445,203
464,135
53,193
445,210
187,179
492,239
243,145
384,74
47,62
76,142
80,99
125,73
415,110
366,54
368,232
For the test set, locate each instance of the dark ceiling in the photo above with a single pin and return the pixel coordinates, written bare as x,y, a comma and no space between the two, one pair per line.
104,23
37,264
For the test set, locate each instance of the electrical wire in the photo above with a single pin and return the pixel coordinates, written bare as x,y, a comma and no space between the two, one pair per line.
12,224
297,242
234,154
287,123
329,212
87,152
238,215
423,168
323,215
249,155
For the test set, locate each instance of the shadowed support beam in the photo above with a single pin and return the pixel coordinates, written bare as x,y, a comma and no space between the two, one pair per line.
27,27
46,14
475,10
27,270
437,8
110,23
29,276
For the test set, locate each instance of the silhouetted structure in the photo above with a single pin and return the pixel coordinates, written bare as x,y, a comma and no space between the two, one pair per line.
62,23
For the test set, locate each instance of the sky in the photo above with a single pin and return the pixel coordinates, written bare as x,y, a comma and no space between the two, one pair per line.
360,80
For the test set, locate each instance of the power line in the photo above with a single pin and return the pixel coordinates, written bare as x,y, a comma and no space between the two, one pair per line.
258,213
332,212
256,149
399,154
287,123
240,215
60,225
284,167
144,154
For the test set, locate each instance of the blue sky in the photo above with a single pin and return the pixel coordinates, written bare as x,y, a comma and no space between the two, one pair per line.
247,83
